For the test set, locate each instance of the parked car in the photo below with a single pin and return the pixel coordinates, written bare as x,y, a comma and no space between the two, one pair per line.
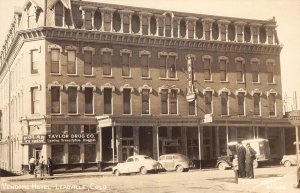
136,164
289,160
176,161
261,146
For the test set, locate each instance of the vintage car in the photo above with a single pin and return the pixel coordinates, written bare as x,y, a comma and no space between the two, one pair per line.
136,164
289,160
175,161
261,146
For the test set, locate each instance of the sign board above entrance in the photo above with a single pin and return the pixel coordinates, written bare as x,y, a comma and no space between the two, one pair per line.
294,117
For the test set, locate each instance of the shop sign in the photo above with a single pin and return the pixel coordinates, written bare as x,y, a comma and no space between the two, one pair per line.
294,117
29,139
72,138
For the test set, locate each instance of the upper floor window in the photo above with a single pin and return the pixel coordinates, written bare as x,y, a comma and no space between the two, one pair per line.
192,107
125,58
72,99
55,55
191,29
127,101
145,71
35,100
173,101
126,22
224,103
208,102
34,61
270,71
223,32
240,70
255,70
163,66
107,62
272,104
107,100
55,99
161,25
107,22
241,103
167,65
59,14
270,32
164,101
207,68
88,62
88,20
207,31
223,70
71,62
172,67
146,101
168,23
89,100
145,25
239,33
256,104
255,34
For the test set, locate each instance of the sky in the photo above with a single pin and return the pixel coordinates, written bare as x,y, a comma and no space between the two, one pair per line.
286,12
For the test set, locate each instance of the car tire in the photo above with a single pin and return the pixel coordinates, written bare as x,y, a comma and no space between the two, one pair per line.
255,164
143,170
179,168
222,166
287,164
186,170
117,173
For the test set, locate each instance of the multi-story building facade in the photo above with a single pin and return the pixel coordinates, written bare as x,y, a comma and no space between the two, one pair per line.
86,83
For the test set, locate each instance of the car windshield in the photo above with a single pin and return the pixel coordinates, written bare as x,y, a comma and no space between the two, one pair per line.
146,157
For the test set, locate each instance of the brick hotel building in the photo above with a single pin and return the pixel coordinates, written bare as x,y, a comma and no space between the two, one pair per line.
89,84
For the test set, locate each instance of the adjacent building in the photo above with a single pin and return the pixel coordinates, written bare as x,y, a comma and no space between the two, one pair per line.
89,84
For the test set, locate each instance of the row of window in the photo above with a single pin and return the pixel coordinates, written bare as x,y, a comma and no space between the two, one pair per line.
167,25
168,66
169,101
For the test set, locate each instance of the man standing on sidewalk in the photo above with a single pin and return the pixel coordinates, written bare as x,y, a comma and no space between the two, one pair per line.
42,165
31,165
241,155
250,157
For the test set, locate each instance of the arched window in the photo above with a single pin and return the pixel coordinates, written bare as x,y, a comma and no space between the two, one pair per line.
199,29
262,34
135,21
247,33
153,25
59,14
215,30
168,23
182,28
116,21
231,32
97,20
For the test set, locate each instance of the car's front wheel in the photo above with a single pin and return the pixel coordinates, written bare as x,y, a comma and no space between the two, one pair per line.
222,166
287,164
179,168
143,170
117,173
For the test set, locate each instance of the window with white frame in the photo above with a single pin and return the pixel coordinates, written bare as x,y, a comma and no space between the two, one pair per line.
270,71
255,71
256,104
208,102
168,25
146,101
173,101
192,107
164,101
239,33
145,71
255,34
223,70
59,14
107,21
126,22
107,100
171,67
125,59
55,55
207,31
88,20
223,32
272,104
240,70
55,99
207,68
224,103
127,101
89,100
72,100
71,62
107,63
34,61
35,100
88,62
241,103
163,66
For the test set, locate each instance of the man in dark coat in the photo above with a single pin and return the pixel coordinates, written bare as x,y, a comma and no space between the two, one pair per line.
241,154
250,157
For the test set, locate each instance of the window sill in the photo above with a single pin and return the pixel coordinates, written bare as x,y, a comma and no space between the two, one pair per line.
271,83
240,82
107,76
192,115
127,114
86,75
55,74
169,114
55,114
35,74
224,81
73,114
127,77
273,116
89,114
168,78
256,82
72,75
225,115
256,116
208,81
146,78
146,114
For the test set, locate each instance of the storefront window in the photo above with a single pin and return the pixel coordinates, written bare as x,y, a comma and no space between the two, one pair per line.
57,153
74,154
74,129
90,153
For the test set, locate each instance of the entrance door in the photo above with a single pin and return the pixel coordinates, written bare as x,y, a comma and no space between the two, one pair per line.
37,153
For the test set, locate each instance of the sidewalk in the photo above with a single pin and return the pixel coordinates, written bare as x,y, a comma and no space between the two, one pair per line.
29,177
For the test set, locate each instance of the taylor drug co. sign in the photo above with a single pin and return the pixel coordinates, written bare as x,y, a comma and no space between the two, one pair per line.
72,138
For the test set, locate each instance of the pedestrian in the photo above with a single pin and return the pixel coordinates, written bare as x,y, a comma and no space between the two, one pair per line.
50,167
31,165
241,155
236,168
250,157
42,165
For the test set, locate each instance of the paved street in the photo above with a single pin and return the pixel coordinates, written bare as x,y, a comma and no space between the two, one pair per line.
272,179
